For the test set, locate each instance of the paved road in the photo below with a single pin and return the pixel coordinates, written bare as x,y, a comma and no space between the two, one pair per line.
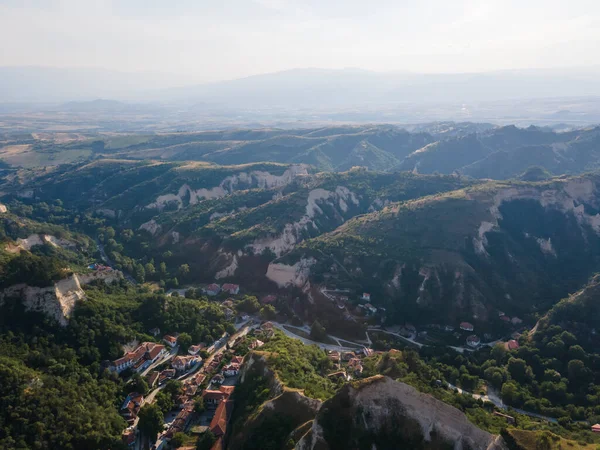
494,398
110,263
311,342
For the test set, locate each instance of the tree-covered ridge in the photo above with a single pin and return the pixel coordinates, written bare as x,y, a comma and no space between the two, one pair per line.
515,247
476,150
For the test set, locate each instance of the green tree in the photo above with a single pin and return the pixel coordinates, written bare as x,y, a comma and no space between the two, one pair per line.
519,370
577,352
318,331
206,441
164,402
199,405
498,353
127,235
139,273
267,312
183,271
578,373
173,388
150,270
109,232
162,268
249,304
184,340
177,440
151,421
138,384
543,441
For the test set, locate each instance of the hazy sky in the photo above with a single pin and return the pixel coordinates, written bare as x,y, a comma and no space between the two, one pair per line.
220,39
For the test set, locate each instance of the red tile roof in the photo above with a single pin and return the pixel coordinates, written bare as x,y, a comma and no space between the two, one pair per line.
170,339
512,344
154,350
218,425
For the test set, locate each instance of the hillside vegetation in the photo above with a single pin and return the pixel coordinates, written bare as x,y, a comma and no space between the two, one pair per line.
477,150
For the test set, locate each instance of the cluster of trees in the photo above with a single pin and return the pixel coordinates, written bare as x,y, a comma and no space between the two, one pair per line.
300,366
48,398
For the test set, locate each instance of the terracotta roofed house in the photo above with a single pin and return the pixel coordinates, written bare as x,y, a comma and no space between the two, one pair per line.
466,326
473,341
212,289
170,340
596,428
232,289
512,345
218,424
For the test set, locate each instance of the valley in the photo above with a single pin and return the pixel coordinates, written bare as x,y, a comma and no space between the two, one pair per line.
450,267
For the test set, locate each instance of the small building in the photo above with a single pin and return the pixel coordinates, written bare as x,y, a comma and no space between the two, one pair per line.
516,321
596,428
212,398
171,341
152,378
228,303
505,319
355,365
366,297
129,437
473,341
131,407
231,289
145,354
334,356
256,344
195,349
347,356
218,379
183,363
212,289
268,299
267,326
512,345
237,360
231,370
449,328
466,326
165,375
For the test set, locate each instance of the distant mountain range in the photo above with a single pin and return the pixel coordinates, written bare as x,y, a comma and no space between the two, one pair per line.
298,88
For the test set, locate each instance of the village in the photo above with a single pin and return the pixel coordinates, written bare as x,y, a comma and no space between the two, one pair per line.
208,372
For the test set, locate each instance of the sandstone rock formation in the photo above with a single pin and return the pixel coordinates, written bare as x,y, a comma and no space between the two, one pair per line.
379,413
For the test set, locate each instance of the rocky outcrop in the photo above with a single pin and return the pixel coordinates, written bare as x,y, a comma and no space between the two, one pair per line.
336,203
288,276
41,239
380,413
243,180
285,411
57,301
